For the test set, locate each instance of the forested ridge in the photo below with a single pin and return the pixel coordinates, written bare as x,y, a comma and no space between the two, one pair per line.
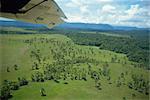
137,50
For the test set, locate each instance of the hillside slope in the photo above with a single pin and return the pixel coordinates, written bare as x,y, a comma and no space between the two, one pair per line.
68,71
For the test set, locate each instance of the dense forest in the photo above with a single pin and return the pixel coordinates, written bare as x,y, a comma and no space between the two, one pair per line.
136,49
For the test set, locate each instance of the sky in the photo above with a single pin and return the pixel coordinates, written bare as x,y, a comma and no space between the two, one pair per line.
114,12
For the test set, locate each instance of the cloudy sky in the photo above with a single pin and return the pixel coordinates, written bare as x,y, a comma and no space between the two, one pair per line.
115,12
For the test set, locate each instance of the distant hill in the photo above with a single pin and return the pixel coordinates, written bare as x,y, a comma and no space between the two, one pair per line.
126,28
74,26
85,26
98,27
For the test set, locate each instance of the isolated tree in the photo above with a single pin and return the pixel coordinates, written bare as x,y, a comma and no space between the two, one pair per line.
106,70
100,71
98,85
89,68
15,67
118,82
8,70
96,77
130,85
84,76
113,59
42,91
124,98
133,95
122,75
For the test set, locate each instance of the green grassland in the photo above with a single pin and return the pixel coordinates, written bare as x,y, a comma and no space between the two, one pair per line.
56,51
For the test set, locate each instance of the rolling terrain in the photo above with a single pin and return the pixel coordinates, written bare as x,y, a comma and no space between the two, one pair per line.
67,70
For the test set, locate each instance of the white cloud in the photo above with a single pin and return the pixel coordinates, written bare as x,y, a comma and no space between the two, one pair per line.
104,0
82,18
84,9
78,4
108,11
134,16
133,10
74,18
70,5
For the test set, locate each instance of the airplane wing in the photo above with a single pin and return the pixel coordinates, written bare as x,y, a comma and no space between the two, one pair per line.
40,12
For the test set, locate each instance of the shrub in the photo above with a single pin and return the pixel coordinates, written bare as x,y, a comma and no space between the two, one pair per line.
22,81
